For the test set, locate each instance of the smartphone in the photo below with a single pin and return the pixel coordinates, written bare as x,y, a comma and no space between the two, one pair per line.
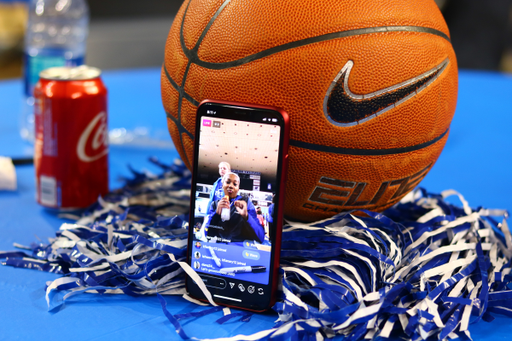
238,183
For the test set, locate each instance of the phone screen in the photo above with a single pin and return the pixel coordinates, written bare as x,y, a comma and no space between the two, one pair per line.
236,194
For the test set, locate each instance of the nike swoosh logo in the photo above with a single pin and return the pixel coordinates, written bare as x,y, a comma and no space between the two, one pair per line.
344,108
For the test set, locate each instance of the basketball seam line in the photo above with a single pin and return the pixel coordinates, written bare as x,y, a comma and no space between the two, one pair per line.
181,128
365,152
206,29
194,59
179,89
192,54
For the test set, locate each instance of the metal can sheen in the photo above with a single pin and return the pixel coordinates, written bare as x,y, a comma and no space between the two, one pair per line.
71,146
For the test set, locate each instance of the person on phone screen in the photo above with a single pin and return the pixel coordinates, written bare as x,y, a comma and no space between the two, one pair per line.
243,223
261,219
217,193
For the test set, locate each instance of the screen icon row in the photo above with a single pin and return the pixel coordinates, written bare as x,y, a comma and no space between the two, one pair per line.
250,289
210,123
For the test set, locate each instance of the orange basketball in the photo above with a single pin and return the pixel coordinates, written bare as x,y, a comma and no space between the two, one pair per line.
370,87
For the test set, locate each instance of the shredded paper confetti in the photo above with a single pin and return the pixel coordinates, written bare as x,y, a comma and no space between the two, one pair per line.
422,268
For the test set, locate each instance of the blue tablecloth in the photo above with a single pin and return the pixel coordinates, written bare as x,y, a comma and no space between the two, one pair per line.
475,161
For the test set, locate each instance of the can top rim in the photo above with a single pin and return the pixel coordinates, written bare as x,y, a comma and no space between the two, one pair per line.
64,73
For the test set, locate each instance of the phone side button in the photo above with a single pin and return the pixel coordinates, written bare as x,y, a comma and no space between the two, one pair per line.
214,282
286,168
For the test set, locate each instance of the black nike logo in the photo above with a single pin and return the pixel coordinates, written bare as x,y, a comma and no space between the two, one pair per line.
344,108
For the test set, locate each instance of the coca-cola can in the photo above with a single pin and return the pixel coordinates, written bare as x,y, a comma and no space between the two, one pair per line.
71,146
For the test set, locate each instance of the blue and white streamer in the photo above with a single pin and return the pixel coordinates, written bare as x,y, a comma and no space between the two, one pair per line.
422,268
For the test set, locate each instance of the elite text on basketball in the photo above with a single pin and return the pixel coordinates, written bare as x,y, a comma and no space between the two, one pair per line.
335,195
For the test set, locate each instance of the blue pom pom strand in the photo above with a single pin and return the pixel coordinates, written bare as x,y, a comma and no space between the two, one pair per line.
423,268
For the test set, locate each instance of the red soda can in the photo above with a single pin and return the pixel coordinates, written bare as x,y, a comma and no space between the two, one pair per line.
71,146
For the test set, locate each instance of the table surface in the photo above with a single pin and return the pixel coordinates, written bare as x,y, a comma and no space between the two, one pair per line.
476,162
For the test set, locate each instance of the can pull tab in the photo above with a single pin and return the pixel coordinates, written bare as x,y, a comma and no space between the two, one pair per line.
75,72
82,72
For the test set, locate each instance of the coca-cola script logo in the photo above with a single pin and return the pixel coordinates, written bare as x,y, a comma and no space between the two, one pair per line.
93,143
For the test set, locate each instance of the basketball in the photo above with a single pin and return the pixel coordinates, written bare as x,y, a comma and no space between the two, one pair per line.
370,88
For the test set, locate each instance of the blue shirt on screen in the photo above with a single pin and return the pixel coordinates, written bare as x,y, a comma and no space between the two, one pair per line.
216,193
236,228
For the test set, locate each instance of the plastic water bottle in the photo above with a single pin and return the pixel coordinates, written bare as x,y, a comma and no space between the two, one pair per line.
225,213
56,35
